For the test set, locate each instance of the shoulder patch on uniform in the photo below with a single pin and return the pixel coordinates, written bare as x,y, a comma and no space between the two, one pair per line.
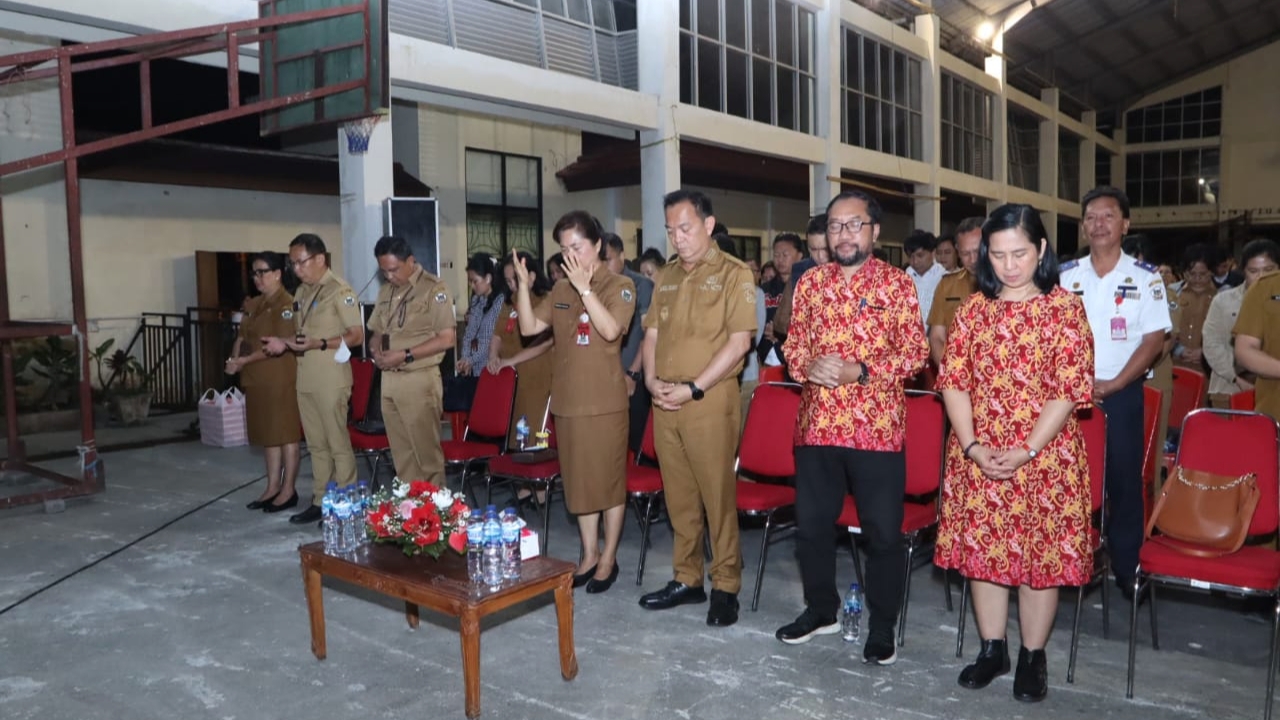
1146,266
627,295
287,314
442,297
349,301
1068,265
749,292
1157,293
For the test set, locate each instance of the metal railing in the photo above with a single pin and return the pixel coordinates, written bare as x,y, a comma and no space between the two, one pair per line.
183,354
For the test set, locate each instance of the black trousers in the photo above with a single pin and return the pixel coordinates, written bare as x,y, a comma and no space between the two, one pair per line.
877,481
1124,478
638,413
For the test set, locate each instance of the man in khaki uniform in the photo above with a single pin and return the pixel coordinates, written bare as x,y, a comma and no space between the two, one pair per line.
1258,341
697,332
325,315
412,327
955,287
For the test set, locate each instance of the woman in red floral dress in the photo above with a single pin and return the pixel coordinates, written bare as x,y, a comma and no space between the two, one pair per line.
1015,511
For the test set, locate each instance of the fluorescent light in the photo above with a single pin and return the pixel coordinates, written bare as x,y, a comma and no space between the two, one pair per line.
986,30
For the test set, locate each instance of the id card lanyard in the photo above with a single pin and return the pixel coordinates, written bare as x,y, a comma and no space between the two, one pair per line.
1119,329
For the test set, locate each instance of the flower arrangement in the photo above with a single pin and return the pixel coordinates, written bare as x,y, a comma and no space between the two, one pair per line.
419,517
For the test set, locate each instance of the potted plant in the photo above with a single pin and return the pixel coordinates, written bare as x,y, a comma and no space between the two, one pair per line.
131,393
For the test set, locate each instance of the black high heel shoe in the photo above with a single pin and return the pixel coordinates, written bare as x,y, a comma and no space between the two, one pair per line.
584,578
595,586
273,508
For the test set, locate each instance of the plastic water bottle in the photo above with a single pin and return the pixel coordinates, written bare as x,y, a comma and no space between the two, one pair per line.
492,562
329,521
510,545
851,614
357,522
475,546
342,509
366,496
522,433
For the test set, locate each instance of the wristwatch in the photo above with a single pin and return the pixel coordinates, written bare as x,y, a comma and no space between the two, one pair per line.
1030,451
698,393
408,355
324,344
865,377
635,375
585,293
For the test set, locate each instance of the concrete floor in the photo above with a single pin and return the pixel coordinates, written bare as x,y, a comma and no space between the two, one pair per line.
194,609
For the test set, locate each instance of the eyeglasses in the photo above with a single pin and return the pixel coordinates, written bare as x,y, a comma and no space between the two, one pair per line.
854,226
259,272
299,263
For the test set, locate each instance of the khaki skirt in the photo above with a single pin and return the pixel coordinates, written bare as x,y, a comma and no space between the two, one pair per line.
593,461
271,414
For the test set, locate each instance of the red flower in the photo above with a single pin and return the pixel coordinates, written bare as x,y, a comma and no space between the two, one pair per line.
459,508
429,537
421,488
458,541
421,541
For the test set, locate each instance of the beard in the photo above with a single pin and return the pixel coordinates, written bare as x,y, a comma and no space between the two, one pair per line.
858,257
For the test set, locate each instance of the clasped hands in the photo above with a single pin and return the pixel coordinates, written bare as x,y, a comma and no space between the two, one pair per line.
998,464
832,371
669,395
277,346
388,359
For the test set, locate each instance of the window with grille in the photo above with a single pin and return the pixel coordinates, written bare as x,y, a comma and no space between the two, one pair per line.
504,203
750,58
1173,177
882,102
1198,115
966,127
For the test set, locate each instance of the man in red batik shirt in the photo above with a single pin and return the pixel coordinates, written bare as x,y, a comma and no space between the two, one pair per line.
855,336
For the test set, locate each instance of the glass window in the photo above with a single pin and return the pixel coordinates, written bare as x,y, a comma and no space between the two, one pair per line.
484,177
709,18
686,68
602,14
578,11
969,117
708,75
761,25
786,97
913,85
554,7
762,90
735,23
685,15
870,76
871,122
737,83
522,181
784,37
1183,118
804,108
853,119
804,41
890,96
504,203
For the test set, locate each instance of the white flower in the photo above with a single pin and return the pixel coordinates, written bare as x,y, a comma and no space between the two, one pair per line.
443,499
398,488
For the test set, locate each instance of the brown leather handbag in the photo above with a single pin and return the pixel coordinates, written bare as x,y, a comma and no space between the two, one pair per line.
1210,511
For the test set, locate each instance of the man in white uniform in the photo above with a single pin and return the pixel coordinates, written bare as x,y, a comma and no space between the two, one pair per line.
1129,314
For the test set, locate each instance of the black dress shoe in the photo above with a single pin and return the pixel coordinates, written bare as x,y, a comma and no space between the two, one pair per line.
274,508
582,579
724,609
310,515
1126,591
675,593
992,662
257,504
595,586
1031,681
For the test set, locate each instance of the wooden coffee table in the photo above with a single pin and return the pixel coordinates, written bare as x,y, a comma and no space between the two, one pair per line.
441,585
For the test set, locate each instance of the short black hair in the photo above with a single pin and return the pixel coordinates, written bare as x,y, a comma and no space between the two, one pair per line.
794,240
278,262
919,240
1026,219
309,242
969,224
817,225
873,206
586,225
393,245
1137,245
612,240
482,264
1106,191
719,229
945,239
654,256
1260,246
1205,253
726,245
701,203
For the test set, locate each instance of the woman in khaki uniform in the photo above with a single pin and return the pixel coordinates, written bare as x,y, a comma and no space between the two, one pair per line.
587,313
530,357
271,401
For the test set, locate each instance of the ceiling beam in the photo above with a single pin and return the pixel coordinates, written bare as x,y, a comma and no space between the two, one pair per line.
1113,24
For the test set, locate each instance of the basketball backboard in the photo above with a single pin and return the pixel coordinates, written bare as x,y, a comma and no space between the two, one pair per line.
307,56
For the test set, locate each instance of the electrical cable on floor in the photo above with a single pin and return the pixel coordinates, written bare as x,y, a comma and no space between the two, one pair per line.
133,542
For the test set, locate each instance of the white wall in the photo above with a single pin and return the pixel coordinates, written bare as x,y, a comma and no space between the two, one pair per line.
141,239
1250,141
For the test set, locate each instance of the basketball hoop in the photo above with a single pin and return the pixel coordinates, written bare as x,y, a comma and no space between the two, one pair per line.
358,133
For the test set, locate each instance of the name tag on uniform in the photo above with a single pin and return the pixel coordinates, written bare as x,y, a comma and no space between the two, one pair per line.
952,299
562,306
1119,330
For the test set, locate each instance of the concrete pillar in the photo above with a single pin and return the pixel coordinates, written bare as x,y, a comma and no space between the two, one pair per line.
927,211
1049,162
658,26
997,67
1118,169
366,179
827,32
1088,155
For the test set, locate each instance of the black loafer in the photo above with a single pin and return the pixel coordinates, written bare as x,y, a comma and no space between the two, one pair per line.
257,504
310,515
584,578
992,662
274,508
675,593
724,609
595,586
1031,681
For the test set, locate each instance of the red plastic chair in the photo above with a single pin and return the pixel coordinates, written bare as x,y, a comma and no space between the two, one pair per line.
1231,443
772,374
540,477
925,447
1093,428
767,451
1151,400
373,447
1188,394
644,489
1246,400
489,421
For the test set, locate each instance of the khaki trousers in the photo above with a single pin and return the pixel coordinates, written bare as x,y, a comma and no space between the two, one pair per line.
324,421
696,446
411,403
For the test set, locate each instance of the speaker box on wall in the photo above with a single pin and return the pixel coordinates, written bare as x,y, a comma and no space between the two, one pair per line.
417,221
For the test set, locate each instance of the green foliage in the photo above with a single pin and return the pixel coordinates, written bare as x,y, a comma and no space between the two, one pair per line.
59,364
131,378
99,356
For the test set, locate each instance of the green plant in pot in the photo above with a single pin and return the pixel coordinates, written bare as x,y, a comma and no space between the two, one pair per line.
58,363
131,391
